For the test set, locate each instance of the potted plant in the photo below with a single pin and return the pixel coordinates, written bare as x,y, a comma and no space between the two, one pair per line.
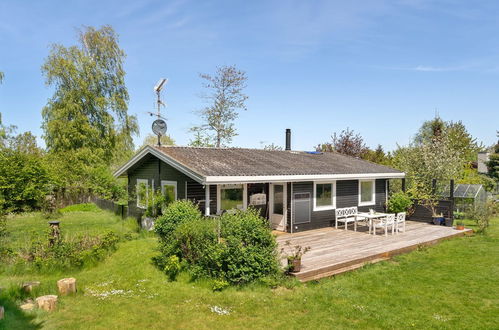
294,259
459,225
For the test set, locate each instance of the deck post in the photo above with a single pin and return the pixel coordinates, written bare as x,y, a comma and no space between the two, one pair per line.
403,184
206,199
451,197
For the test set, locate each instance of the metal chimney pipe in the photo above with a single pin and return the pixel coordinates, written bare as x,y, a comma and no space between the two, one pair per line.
288,139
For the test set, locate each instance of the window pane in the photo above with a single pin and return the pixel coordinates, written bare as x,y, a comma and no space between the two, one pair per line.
169,193
141,194
231,199
323,194
278,199
366,191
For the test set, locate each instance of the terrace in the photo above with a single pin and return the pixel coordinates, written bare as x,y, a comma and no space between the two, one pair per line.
334,251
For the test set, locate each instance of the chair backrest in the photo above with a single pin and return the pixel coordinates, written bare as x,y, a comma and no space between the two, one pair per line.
346,212
390,218
401,217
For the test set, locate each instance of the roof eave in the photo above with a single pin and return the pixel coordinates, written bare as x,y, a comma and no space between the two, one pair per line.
170,161
298,178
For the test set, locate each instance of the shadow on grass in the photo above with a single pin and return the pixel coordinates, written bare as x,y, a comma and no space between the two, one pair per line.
15,318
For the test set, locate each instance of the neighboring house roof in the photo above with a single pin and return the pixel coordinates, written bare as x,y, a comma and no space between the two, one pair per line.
229,165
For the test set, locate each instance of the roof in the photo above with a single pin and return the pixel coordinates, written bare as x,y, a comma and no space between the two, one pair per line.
220,165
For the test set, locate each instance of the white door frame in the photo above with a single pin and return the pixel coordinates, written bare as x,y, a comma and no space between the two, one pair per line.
282,224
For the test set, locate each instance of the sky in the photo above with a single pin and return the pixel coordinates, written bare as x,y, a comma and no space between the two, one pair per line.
379,67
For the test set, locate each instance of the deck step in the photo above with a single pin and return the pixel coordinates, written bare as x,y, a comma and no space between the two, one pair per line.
310,276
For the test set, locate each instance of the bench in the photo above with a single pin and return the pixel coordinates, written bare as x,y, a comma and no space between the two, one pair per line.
348,215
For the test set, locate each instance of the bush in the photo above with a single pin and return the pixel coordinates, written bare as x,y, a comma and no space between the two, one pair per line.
175,214
235,248
481,214
172,267
399,202
65,253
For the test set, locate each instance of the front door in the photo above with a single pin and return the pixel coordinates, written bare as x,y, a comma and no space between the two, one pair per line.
278,206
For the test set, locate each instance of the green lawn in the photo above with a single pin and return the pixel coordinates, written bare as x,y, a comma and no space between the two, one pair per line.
30,225
449,286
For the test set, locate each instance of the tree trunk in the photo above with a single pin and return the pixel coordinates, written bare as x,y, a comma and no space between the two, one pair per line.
66,286
48,303
2,312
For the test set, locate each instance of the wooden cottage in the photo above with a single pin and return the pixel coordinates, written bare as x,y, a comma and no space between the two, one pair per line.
295,190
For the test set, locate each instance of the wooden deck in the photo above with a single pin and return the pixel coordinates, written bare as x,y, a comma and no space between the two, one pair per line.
334,251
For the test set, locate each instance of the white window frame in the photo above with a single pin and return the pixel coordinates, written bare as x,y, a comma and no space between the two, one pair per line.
169,183
373,197
139,182
227,186
333,196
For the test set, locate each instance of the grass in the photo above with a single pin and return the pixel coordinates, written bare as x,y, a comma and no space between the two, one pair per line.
74,220
448,286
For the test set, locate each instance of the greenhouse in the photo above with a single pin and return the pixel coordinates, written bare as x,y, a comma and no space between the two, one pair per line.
468,195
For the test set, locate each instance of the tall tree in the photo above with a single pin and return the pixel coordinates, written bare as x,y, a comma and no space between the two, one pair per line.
225,97
347,143
88,112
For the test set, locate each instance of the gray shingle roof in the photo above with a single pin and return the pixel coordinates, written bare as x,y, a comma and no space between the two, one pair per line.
257,162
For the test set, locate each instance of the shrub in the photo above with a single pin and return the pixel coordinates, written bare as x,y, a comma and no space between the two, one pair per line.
399,202
235,248
481,214
175,214
172,267
65,253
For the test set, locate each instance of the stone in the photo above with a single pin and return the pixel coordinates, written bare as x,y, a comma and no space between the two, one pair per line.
47,303
67,286
28,287
2,312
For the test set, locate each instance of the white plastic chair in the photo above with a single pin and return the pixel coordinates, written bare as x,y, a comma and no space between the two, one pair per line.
388,221
400,222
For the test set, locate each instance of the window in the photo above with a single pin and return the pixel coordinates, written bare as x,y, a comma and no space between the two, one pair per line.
366,192
324,196
231,196
142,193
169,190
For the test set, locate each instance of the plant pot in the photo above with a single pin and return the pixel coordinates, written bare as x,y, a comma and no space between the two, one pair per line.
460,227
294,265
449,222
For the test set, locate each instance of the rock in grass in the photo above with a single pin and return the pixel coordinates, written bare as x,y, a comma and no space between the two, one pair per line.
47,303
28,287
67,286
2,312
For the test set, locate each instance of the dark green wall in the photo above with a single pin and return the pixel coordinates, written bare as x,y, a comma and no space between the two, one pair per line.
152,168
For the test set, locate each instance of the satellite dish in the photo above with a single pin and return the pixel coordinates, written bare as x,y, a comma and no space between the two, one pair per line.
159,127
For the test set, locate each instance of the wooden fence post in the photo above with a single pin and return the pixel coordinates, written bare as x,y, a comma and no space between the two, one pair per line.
403,184
451,197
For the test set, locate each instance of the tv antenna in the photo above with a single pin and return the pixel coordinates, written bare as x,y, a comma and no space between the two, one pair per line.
159,125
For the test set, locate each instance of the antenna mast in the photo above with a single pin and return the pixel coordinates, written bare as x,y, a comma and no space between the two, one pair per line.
159,125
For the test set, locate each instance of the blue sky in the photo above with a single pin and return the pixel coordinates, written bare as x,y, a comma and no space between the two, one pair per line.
317,67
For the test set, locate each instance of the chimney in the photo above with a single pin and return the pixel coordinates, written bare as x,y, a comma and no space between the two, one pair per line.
288,139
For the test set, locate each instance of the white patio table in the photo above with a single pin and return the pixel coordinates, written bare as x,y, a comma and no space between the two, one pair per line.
371,216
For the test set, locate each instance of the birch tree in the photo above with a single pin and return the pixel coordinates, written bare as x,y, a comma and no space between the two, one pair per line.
225,97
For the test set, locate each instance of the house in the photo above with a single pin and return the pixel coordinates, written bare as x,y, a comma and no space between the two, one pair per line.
483,158
295,190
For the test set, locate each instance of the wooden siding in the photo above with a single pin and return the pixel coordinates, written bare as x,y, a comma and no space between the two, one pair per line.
154,170
196,193
347,195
